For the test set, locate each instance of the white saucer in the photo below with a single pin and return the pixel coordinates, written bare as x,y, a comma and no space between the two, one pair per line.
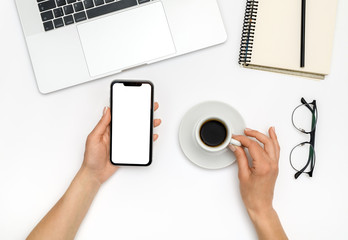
187,140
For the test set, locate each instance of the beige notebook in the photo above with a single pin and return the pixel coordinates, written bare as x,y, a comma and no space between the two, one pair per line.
271,37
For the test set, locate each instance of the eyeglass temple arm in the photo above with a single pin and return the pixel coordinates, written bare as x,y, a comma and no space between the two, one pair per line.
312,140
303,101
311,151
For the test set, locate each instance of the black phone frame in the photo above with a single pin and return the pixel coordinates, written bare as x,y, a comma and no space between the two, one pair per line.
133,83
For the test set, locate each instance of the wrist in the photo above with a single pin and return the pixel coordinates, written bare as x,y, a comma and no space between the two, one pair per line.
88,179
262,214
267,224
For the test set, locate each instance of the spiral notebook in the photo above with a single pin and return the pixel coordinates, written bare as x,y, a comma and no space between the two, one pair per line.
271,38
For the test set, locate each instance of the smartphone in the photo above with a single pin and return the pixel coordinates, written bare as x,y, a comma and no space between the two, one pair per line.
131,128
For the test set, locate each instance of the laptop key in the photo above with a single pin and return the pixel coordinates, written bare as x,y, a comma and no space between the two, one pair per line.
68,9
58,22
78,6
48,26
71,1
68,20
58,12
47,5
88,3
109,8
99,2
143,1
108,1
61,3
45,16
80,16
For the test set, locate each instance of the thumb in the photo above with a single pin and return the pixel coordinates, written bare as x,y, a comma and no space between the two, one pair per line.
242,160
103,123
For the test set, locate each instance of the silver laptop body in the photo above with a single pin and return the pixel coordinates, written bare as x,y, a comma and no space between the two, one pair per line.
73,41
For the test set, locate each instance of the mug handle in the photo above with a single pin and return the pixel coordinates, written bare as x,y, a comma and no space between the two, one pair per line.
235,142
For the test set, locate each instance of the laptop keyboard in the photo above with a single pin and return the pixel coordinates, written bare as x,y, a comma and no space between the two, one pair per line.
60,13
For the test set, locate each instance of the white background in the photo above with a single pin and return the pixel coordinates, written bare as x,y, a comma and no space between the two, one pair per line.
42,141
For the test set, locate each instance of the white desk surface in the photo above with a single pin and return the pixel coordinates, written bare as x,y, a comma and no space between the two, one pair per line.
42,140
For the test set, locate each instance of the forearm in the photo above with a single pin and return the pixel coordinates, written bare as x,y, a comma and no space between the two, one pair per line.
64,219
267,225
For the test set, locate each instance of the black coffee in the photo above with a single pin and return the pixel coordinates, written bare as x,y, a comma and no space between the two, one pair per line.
213,133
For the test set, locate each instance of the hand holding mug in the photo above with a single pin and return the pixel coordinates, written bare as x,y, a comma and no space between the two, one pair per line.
258,181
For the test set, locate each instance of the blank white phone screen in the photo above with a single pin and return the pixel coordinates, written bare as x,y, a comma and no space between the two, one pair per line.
131,124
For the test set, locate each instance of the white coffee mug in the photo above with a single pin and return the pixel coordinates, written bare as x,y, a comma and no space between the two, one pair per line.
228,140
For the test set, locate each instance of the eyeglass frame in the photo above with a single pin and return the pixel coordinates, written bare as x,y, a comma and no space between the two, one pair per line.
311,142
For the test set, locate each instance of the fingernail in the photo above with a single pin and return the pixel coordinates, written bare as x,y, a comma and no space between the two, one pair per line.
105,110
273,129
247,130
233,148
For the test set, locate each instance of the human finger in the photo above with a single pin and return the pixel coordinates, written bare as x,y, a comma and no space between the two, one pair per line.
265,140
274,138
103,123
255,150
242,160
106,135
155,137
107,132
156,106
157,122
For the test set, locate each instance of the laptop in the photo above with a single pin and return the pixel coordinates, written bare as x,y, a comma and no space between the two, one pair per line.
75,41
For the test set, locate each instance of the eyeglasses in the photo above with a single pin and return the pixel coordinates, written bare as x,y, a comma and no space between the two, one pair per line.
304,119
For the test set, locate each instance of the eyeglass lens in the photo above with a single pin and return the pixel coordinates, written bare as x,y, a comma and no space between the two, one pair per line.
303,119
302,157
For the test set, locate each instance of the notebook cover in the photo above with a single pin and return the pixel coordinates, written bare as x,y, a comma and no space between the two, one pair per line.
272,36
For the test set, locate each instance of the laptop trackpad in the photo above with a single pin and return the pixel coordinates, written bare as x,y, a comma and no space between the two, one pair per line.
126,39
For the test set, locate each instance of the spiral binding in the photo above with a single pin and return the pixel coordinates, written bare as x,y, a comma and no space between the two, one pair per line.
247,41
